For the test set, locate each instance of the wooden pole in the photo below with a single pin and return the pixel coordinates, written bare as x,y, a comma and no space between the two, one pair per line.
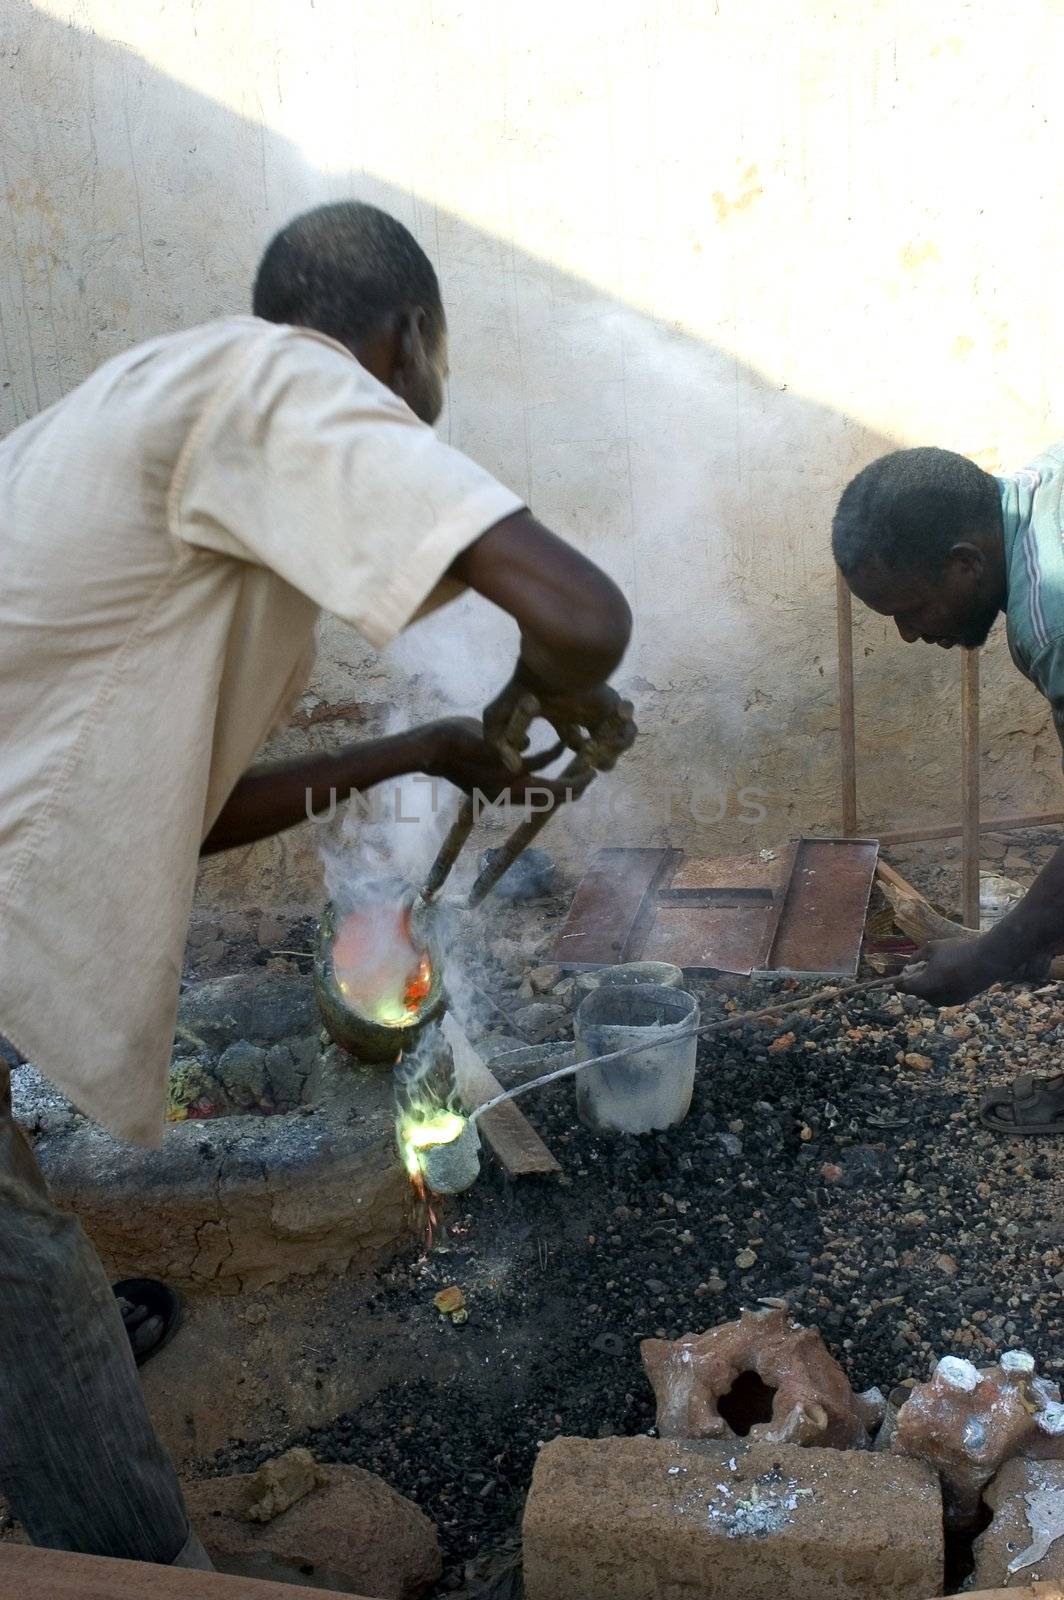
951,830
970,788
847,732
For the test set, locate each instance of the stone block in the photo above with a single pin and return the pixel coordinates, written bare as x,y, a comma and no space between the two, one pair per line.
539,1021
354,1535
640,1519
1027,1531
280,1484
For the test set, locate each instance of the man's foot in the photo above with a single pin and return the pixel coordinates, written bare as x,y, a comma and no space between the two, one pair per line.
151,1314
1028,1105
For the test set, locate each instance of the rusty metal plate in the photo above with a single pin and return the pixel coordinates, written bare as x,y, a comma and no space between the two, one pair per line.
720,938
602,922
822,922
801,912
732,872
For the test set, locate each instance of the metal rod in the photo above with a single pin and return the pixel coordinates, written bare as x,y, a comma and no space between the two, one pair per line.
450,849
507,854
718,1025
522,836
509,748
847,724
970,788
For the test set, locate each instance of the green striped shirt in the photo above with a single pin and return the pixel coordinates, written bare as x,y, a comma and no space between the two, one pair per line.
1033,518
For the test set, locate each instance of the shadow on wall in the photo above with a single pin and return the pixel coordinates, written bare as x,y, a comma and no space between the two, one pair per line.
135,205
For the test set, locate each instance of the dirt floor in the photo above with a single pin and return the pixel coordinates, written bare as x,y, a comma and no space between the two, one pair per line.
835,1162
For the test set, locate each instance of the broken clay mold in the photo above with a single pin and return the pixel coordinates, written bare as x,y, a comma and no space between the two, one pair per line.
967,1421
813,1403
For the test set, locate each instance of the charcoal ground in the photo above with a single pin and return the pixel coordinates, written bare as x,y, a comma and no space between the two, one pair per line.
862,1182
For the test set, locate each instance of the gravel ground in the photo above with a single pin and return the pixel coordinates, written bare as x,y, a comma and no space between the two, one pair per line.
835,1161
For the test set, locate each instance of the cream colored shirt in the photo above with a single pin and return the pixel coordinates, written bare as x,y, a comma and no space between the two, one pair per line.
168,534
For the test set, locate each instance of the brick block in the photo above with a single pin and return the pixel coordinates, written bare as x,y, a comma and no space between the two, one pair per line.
650,1519
1027,1499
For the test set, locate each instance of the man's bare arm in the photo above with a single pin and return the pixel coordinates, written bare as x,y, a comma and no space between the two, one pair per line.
575,625
277,795
1021,944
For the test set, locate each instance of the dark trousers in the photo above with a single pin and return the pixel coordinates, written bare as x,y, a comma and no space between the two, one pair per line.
80,1465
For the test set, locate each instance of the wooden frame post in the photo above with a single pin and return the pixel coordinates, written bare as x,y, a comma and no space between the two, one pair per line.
970,788
847,727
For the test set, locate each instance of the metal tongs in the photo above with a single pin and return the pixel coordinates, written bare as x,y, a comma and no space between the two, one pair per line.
594,754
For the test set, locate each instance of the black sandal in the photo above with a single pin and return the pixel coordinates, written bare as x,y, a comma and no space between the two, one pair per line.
1027,1106
151,1314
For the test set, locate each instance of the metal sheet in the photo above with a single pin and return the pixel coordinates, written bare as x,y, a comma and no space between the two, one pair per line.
720,938
802,913
599,928
731,872
823,917
726,927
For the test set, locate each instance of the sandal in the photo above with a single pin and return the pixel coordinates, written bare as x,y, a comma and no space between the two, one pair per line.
1028,1105
151,1314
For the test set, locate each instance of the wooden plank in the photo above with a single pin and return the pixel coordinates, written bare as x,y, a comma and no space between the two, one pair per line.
507,1130
951,830
913,914
28,1573
916,917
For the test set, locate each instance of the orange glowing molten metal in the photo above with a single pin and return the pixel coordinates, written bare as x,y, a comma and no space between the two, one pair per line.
379,970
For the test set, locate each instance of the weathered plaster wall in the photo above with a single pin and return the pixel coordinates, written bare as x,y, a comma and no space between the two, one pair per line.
703,258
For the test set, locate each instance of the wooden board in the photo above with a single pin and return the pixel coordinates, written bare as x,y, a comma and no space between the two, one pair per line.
27,1573
507,1130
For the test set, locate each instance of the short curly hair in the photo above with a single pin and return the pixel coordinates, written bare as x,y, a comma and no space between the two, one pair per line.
909,509
345,269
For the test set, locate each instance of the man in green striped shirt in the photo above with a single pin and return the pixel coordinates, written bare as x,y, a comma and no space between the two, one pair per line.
927,537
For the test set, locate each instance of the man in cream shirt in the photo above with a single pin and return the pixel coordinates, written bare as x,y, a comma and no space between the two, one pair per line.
169,533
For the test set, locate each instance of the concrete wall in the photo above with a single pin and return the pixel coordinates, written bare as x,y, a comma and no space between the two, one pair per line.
703,258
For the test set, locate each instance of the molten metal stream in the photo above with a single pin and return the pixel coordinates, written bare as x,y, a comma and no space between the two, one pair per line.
422,1129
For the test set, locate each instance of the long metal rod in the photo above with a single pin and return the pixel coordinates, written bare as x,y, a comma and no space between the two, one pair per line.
718,1025
847,721
451,848
510,752
504,857
970,788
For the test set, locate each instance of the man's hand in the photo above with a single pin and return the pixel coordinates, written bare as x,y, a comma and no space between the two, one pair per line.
1019,947
458,749
598,714
952,971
